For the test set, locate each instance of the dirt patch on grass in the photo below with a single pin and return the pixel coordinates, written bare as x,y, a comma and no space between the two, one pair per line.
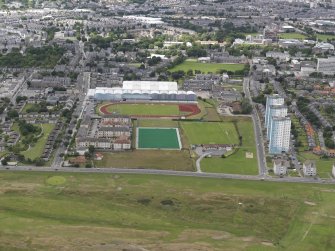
309,203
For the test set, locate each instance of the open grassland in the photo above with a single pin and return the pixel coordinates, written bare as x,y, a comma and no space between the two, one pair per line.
28,106
323,166
237,162
150,109
206,67
295,35
292,35
150,159
39,211
325,37
210,132
36,149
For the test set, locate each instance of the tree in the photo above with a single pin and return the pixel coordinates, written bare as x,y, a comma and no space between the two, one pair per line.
12,114
4,162
246,106
91,150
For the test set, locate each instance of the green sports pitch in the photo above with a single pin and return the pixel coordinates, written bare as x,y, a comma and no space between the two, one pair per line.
158,138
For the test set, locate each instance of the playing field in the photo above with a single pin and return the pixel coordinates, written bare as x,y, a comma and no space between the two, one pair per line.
210,132
206,67
147,109
158,138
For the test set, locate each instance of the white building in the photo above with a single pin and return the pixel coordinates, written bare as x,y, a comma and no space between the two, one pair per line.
143,90
309,168
279,137
275,111
280,166
326,65
272,100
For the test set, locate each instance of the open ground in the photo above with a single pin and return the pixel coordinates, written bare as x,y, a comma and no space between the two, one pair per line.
206,67
237,161
39,211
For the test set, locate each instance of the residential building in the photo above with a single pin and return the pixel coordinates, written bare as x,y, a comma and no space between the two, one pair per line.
279,137
309,168
280,166
272,100
275,111
326,66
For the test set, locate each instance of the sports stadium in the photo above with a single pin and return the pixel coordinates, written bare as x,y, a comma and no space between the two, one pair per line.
143,91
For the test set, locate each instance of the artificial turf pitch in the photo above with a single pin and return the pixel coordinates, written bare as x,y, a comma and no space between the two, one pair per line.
158,138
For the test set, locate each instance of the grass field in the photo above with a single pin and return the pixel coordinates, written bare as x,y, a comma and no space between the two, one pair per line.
145,109
292,35
27,106
39,211
158,138
206,67
237,162
36,150
324,37
210,132
149,159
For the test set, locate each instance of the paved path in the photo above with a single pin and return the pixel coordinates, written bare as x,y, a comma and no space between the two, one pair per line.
197,163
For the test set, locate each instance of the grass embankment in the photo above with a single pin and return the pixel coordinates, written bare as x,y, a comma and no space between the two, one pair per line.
36,149
121,212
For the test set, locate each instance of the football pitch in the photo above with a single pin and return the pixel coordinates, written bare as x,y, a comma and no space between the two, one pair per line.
158,138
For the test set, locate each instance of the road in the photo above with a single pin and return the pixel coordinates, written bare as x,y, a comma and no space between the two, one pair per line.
166,172
257,130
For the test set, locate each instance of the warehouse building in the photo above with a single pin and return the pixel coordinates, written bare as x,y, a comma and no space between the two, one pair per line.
143,90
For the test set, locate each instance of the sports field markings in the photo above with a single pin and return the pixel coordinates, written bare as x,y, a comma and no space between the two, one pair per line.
227,133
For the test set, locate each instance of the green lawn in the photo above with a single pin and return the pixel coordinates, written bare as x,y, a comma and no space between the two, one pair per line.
149,159
206,67
36,149
210,132
324,37
39,211
237,162
292,35
28,106
145,109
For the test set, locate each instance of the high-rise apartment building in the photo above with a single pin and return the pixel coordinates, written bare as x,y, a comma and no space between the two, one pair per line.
279,135
271,100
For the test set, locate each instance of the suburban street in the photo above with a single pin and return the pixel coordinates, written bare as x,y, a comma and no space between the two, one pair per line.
166,172
257,130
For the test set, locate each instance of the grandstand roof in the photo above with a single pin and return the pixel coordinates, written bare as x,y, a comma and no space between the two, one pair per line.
150,85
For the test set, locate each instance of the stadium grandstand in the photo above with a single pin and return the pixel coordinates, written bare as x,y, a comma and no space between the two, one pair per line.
142,90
